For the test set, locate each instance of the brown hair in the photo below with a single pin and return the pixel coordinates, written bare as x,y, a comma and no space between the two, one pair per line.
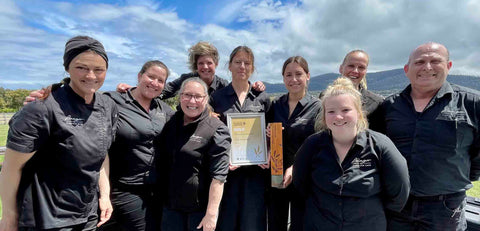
363,82
201,49
340,86
296,59
246,50
152,63
73,47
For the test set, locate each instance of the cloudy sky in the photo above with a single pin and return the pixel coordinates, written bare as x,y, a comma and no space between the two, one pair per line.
33,34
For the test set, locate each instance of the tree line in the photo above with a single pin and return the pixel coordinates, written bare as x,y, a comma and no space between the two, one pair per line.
12,100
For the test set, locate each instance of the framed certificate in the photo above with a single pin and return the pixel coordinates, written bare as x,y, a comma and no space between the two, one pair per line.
249,144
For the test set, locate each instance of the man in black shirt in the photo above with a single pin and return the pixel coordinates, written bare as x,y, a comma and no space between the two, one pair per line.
435,125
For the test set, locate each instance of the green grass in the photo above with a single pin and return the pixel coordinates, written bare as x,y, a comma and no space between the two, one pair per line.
475,191
3,134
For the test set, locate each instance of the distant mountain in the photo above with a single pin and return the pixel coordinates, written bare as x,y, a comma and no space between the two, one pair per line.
383,82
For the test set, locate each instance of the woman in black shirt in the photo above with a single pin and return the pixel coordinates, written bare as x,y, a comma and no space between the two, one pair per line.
296,110
57,150
142,117
348,173
193,162
243,204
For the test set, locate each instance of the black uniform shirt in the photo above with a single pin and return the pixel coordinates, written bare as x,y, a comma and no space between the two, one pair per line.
190,157
225,101
59,183
441,144
343,192
171,88
370,101
298,126
131,155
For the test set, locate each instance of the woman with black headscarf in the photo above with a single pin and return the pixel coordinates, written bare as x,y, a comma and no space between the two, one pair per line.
54,175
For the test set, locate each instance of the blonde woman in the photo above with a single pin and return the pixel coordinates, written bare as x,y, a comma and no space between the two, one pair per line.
348,173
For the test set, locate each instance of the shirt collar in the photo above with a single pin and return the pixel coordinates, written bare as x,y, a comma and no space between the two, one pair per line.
361,139
71,94
128,96
304,101
231,91
202,116
445,89
215,82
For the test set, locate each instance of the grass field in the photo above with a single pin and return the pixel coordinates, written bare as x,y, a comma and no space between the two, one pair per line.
3,134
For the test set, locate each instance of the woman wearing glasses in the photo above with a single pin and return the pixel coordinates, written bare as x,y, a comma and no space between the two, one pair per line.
193,162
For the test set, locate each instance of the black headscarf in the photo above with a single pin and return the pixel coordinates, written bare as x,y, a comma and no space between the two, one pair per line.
79,44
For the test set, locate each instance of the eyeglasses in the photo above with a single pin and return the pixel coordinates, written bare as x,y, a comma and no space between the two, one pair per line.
188,97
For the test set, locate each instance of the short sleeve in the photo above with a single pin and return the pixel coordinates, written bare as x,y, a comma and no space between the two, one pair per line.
29,128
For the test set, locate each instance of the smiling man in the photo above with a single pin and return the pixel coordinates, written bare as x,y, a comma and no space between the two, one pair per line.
435,125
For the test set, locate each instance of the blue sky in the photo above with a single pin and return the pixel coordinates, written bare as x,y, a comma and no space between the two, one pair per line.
33,34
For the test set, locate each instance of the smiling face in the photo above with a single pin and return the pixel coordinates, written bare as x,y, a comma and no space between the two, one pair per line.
206,68
355,67
428,67
193,100
295,78
151,82
341,115
241,66
87,73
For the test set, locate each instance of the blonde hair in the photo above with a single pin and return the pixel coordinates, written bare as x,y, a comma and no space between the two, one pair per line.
201,49
341,86
363,82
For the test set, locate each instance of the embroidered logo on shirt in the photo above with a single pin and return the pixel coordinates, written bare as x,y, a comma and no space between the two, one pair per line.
195,138
358,163
301,121
74,121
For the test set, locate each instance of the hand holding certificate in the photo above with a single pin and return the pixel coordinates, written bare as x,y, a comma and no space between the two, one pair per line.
248,138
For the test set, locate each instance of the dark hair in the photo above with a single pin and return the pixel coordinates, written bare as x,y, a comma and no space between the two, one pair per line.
296,59
80,44
74,47
152,63
246,50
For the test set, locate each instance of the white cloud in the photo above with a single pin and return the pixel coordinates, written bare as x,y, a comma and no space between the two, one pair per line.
323,31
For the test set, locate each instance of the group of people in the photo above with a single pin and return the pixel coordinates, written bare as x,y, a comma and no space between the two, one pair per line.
77,159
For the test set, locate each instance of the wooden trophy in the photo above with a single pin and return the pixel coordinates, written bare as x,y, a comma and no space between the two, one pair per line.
276,152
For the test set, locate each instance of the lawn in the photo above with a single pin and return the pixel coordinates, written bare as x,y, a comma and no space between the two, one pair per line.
3,134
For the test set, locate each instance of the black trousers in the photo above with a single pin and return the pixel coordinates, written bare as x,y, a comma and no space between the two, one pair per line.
134,209
442,212
90,225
